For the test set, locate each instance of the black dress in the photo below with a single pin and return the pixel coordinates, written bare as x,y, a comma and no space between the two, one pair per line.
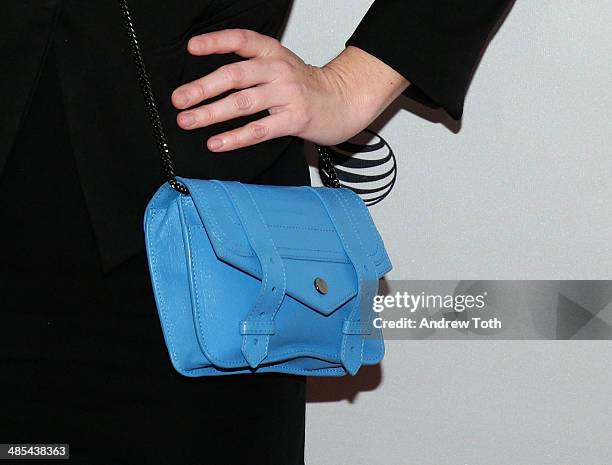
82,357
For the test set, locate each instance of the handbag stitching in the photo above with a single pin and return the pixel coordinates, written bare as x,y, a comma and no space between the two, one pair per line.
371,223
223,238
159,293
368,218
221,235
218,230
229,243
373,231
284,275
264,283
306,228
188,243
194,259
352,221
197,297
341,255
380,341
203,331
346,244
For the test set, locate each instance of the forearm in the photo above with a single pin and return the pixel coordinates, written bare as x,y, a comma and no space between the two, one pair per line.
369,84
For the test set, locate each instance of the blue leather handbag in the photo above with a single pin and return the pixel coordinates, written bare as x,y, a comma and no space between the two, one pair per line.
252,278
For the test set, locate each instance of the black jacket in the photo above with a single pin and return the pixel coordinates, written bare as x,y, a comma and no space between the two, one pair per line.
433,43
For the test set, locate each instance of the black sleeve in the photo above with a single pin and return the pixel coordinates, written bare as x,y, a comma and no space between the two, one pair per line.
433,43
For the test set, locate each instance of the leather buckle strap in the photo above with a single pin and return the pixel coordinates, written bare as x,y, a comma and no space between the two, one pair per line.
358,324
357,327
258,325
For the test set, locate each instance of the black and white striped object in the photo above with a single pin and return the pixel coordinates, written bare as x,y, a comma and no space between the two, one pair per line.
365,164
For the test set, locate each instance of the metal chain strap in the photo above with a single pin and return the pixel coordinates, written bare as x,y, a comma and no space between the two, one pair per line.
328,170
330,177
151,106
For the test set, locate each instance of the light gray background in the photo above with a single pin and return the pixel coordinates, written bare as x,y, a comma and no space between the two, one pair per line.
521,191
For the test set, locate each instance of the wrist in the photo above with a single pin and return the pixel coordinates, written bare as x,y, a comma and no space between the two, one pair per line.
367,84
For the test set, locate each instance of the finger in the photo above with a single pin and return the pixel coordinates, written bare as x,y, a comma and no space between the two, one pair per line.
243,42
245,102
239,75
270,127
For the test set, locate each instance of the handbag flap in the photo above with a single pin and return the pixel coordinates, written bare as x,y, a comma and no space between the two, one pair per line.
302,231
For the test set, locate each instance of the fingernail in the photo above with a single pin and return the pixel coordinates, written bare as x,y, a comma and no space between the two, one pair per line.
187,119
215,144
195,46
182,98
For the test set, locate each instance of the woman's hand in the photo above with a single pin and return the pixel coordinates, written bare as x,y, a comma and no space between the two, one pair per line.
326,105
